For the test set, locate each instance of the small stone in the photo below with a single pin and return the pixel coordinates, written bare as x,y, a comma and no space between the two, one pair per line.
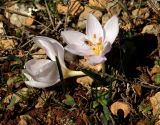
18,19
83,16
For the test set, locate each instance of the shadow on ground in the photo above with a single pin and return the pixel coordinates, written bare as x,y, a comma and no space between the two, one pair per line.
131,53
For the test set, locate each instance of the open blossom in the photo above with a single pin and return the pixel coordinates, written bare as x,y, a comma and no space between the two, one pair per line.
97,41
42,73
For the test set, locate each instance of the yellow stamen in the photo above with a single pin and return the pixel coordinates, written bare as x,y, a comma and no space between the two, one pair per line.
89,43
98,48
94,36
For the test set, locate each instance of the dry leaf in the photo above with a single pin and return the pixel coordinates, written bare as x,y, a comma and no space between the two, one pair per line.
85,81
29,21
155,70
120,105
157,123
22,92
142,122
85,119
40,54
150,29
155,103
26,120
137,89
42,99
98,3
8,44
85,64
2,31
73,8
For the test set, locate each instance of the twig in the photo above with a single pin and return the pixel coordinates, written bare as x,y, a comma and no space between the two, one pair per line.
49,14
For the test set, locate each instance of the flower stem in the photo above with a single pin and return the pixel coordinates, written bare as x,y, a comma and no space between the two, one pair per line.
72,73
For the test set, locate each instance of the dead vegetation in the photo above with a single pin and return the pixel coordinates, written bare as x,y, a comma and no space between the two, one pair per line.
127,93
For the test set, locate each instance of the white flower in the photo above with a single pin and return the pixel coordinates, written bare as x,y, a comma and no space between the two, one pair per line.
97,41
44,73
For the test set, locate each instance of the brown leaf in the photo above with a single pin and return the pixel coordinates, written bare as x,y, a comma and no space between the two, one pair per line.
85,64
120,105
155,70
85,81
73,8
137,89
8,43
155,103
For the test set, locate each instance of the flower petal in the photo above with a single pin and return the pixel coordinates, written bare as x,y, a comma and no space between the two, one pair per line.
94,29
52,48
73,37
77,50
37,84
107,48
33,66
111,29
96,59
42,71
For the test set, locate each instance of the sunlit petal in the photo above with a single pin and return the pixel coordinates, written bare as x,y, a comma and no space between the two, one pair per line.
52,48
107,48
31,82
37,84
77,50
111,29
96,59
73,37
94,29
42,70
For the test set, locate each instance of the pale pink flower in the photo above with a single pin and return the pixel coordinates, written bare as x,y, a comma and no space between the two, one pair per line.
44,73
97,41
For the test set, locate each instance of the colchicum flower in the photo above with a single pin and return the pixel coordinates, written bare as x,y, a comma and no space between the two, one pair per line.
97,41
42,73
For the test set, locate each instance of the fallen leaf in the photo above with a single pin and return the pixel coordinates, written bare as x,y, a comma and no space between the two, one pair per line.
84,63
73,8
26,120
40,54
98,3
157,123
155,70
137,89
2,31
116,106
85,81
7,44
155,103
29,21
42,99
